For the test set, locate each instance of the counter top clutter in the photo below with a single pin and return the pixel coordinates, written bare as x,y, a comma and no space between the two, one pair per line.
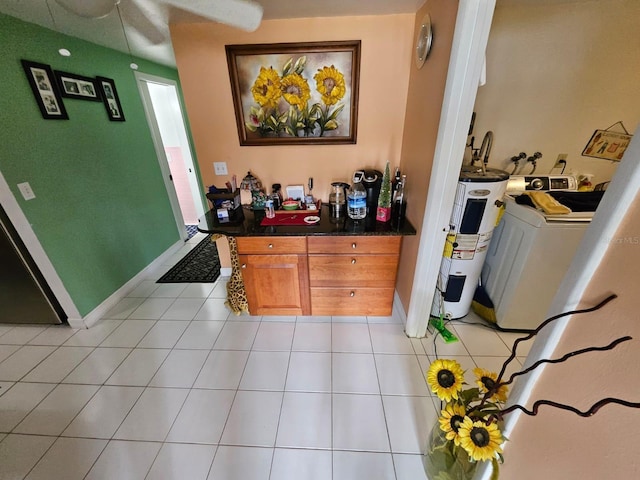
247,222
324,266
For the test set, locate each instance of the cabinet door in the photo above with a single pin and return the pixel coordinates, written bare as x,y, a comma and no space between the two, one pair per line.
276,284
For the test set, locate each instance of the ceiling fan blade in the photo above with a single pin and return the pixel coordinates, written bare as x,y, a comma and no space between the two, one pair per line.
243,14
140,21
89,8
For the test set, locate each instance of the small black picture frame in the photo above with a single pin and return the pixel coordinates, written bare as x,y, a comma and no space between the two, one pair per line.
110,99
45,90
77,86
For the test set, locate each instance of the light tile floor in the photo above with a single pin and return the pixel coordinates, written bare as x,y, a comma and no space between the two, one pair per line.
170,385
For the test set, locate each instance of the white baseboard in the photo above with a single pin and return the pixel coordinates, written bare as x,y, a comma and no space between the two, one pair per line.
97,313
225,271
398,309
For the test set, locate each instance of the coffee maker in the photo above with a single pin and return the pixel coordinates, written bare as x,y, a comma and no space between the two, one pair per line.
372,182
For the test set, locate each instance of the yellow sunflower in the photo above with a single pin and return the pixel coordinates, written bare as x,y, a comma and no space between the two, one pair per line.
266,89
445,378
487,380
479,440
295,90
450,420
330,84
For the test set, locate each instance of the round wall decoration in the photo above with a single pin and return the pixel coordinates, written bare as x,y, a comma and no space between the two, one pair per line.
423,42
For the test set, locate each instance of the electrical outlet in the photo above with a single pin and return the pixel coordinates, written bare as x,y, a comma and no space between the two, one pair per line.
220,168
26,190
561,160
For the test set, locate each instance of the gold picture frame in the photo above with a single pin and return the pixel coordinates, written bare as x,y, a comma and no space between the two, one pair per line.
295,93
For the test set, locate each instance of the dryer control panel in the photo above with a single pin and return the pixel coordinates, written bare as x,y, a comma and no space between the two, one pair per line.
545,183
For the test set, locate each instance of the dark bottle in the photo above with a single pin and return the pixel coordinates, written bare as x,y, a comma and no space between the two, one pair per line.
396,180
276,196
399,206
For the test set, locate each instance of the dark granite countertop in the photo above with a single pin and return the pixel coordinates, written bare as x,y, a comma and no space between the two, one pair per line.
246,223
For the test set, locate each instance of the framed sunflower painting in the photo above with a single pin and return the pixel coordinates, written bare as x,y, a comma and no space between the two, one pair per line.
295,93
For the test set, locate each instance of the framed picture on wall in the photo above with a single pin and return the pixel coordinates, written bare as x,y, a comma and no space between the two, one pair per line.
110,99
77,86
295,93
607,145
45,90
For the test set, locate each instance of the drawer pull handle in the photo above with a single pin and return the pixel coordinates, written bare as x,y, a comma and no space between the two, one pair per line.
352,294
244,265
353,261
353,245
271,245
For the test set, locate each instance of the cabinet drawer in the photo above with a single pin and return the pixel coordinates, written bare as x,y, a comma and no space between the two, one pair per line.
352,301
354,244
271,245
353,270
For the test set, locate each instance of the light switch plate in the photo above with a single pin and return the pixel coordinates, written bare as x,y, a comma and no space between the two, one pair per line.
220,168
26,191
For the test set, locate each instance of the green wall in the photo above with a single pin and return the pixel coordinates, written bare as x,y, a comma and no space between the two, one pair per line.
101,210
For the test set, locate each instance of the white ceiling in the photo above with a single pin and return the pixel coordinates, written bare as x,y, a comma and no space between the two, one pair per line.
108,31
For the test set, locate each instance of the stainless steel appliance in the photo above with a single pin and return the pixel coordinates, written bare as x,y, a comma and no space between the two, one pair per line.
25,296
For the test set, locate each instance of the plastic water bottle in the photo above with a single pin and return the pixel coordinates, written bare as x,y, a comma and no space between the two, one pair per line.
357,198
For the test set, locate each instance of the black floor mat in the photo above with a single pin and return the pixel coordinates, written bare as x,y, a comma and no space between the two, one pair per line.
200,265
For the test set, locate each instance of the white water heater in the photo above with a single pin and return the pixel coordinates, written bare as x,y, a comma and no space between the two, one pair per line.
475,213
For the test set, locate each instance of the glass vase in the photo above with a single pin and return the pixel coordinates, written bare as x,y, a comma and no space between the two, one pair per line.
444,461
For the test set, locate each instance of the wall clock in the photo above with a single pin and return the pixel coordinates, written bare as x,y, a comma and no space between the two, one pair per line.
423,42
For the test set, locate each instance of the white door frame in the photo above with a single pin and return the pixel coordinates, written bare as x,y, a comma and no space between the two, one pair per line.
21,223
142,80
473,24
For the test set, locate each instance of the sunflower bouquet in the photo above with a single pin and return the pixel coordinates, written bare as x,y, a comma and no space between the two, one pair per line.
466,431
284,101
469,428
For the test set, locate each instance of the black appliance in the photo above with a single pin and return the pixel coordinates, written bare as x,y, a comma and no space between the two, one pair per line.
372,182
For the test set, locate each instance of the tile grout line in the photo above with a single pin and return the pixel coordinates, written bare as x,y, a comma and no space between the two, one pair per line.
384,412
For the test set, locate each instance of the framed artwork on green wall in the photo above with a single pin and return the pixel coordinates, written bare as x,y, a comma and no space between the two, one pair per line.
110,99
45,90
77,86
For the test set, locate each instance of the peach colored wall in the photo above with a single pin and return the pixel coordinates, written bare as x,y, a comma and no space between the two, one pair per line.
557,445
424,103
384,74
549,65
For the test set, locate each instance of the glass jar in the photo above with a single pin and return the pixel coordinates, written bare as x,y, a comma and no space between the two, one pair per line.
444,461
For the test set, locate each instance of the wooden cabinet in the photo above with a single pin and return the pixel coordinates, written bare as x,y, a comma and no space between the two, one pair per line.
275,274
353,275
319,275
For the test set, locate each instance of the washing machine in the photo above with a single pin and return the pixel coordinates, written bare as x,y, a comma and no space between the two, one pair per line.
477,204
530,251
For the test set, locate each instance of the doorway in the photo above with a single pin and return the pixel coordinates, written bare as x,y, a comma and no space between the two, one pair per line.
169,132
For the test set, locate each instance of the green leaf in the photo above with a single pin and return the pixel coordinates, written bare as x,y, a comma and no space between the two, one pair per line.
287,67
331,125
315,109
336,112
251,127
300,64
290,131
469,395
